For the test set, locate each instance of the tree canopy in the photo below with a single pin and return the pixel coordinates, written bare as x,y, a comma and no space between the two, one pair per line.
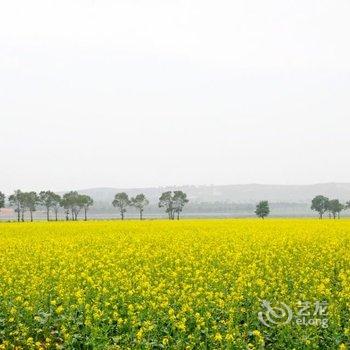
335,207
262,209
139,202
173,203
121,201
49,200
320,204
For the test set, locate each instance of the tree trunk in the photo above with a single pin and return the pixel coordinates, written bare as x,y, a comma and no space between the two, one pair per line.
22,216
140,214
56,215
321,215
122,213
18,215
31,216
85,214
178,215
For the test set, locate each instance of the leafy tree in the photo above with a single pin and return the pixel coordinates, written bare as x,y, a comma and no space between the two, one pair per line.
173,203
66,204
335,207
166,201
139,202
56,204
31,200
180,199
71,203
16,200
262,209
121,201
2,200
48,199
320,204
85,202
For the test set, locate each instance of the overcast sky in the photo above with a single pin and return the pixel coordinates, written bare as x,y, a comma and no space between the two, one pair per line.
151,93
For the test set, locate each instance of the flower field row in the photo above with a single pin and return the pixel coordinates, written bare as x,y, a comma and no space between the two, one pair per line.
192,284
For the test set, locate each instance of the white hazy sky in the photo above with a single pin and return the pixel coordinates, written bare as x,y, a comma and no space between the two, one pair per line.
141,93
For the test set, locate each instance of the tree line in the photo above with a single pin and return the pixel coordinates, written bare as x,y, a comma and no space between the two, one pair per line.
324,205
321,204
74,203
172,202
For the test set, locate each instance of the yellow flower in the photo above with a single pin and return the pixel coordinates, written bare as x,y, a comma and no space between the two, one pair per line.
59,309
181,326
139,335
256,333
229,337
218,337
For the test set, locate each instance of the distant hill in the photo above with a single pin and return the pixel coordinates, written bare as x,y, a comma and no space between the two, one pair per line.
250,193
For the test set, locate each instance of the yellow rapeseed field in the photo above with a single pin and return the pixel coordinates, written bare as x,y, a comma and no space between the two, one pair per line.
191,284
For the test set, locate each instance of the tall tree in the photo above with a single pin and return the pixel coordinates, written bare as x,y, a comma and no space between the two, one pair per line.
16,200
139,202
335,207
31,200
56,204
121,201
262,209
320,204
66,204
47,200
179,199
173,203
71,203
2,200
166,201
85,202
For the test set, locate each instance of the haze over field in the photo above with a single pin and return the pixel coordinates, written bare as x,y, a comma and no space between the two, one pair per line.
146,94
234,193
